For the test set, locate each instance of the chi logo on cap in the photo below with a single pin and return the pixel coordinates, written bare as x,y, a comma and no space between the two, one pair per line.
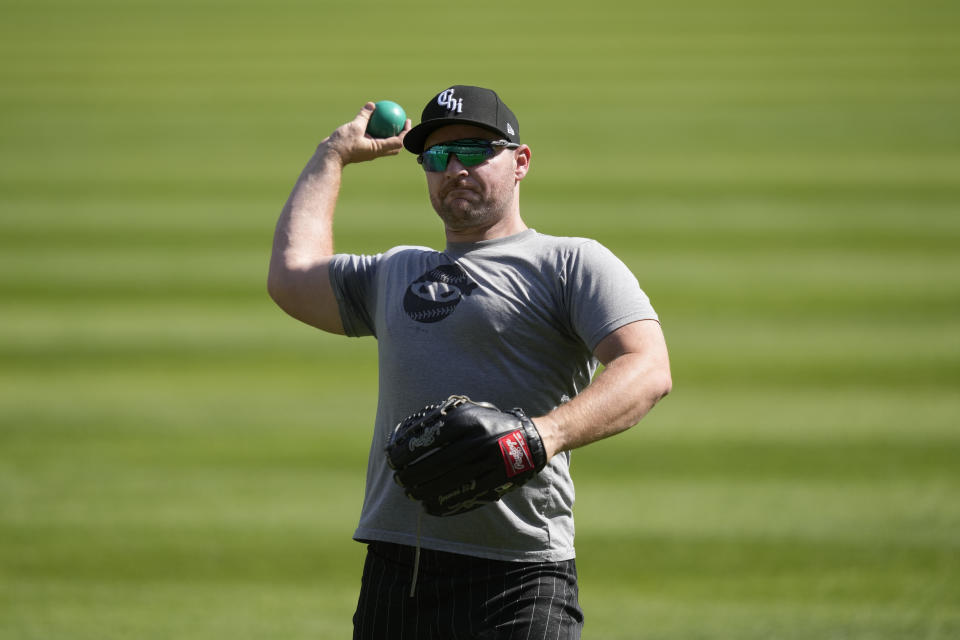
446,99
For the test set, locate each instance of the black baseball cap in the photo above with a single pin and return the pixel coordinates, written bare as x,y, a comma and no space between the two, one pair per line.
463,104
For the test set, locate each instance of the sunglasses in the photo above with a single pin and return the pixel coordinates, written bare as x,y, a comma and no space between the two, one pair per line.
469,152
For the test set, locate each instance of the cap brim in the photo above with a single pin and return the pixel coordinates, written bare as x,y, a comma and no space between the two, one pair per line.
416,138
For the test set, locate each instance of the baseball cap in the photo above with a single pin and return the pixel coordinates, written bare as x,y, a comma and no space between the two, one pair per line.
463,104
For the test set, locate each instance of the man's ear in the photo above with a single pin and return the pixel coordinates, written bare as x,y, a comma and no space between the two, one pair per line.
522,156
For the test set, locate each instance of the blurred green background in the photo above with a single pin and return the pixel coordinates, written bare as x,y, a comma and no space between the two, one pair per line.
178,459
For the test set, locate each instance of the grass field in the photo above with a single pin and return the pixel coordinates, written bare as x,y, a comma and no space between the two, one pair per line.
178,459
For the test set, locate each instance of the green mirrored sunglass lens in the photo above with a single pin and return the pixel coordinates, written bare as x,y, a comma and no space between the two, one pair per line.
471,158
469,152
433,161
436,158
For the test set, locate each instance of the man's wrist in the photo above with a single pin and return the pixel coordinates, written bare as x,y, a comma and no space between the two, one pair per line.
327,154
549,433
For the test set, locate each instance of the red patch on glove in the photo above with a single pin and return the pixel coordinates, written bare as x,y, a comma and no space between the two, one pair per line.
516,453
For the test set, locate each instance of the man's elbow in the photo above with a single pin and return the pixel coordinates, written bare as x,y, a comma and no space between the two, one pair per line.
667,386
285,287
661,382
278,288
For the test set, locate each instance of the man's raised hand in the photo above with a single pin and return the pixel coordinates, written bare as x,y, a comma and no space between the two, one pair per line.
351,143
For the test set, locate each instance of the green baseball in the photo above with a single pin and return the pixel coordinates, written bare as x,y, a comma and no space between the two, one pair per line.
387,120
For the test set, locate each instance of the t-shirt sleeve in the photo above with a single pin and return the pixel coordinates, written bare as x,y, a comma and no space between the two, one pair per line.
602,294
354,284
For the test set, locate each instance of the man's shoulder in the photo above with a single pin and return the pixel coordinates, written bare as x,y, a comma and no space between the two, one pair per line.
559,242
399,252
569,246
407,251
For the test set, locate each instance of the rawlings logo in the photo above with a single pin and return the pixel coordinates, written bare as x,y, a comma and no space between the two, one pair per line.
516,454
426,438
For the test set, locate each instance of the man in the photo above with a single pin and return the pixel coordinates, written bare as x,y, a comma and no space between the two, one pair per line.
503,315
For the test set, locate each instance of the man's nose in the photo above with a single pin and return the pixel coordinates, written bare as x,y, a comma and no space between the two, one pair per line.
454,165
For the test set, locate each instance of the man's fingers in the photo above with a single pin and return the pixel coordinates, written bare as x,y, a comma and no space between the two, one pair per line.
354,144
394,144
390,146
365,113
403,132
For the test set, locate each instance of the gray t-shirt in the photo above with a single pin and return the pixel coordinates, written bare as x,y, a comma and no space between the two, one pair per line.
512,321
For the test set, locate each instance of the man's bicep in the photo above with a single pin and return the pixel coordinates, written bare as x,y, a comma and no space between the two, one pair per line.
641,337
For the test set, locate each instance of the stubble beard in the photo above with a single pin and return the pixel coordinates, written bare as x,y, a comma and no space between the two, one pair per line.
473,209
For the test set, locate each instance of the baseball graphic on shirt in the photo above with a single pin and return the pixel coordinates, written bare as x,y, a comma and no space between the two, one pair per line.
434,295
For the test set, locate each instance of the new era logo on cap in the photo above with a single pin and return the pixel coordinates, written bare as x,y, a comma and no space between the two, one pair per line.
464,104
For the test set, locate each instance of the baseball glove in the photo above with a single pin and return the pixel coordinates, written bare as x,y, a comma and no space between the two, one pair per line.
458,455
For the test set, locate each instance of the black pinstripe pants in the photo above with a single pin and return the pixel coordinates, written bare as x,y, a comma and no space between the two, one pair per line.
461,597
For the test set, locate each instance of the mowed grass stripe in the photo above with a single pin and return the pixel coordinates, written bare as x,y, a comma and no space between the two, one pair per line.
815,356
171,400
632,219
91,610
836,282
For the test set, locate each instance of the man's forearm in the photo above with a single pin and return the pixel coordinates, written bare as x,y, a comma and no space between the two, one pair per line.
632,382
622,394
303,244
304,231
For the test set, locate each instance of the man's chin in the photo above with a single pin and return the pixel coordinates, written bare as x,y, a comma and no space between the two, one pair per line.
463,217
461,204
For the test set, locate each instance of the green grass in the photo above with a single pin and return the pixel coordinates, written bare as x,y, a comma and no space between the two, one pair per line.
178,459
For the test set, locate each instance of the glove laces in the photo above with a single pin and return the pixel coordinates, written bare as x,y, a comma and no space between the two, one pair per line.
416,557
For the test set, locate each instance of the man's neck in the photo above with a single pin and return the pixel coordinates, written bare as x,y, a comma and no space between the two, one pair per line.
501,229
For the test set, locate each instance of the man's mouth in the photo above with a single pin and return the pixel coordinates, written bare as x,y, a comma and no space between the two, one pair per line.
459,191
